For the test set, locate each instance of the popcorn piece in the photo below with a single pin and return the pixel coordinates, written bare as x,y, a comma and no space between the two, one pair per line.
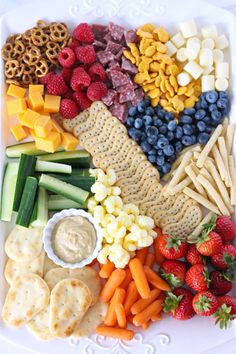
209,32
181,56
92,203
115,190
208,43
145,242
113,204
108,218
222,70
119,256
125,219
221,42
221,84
218,55
111,177
208,83
131,209
99,213
100,191
206,57
178,40
145,222
183,79
129,246
171,48
193,69
188,29
103,254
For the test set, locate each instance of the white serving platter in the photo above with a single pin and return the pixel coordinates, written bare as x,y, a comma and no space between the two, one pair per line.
169,336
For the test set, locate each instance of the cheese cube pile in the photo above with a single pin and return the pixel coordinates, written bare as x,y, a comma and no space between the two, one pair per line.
202,55
124,230
34,118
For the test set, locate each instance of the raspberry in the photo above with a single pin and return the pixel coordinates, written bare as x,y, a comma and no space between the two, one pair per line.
82,100
75,43
67,74
57,85
83,32
85,54
46,78
80,79
96,91
97,72
68,94
68,108
66,57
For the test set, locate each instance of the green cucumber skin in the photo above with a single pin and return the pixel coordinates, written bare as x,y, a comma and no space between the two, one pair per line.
78,158
26,168
57,202
27,202
15,151
82,182
53,167
80,171
41,218
8,191
62,188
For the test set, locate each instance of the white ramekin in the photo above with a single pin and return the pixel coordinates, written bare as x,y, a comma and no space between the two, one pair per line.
47,237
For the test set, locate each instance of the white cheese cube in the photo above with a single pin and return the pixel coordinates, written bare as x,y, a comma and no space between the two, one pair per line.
178,40
188,28
206,57
221,84
192,48
209,32
171,48
222,42
218,55
207,70
222,70
208,43
193,69
180,55
183,79
208,83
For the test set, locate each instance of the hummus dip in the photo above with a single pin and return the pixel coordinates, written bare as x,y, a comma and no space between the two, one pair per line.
74,239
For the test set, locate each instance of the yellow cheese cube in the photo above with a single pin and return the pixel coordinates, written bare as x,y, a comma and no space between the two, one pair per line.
52,104
18,132
50,143
17,106
69,142
20,117
56,127
36,101
32,133
36,88
16,91
43,126
29,118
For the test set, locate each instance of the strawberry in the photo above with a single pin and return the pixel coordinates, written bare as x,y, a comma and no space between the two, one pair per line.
197,277
226,311
225,259
83,33
174,272
193,256
209,243
205,303
172,248
220,283
225,228
179,304
68,108
56,85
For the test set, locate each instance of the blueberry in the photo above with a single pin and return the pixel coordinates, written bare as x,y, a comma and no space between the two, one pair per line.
160,160
223,94
130,121
152,140
209,130
222,103
216,116
198,105
146,102
204,104
203,138
161,113
169,116
207,120
138,123
160,152
132,111
171,158
147,120
187,129
168,150
143,136
145,146
152,152
140,107
178,146
137,135
200,114
152,158
157,122
162,142
186,140
189,111
152,131
212,107
172,125
150,111
194,139
163,129
211,96
179,132
185,119
201,126
166,167
170,136
159,136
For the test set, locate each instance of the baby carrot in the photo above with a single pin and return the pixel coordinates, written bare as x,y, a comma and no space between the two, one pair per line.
118,298
142,254
147,313
158,255
120,315
131,297
139,277
127,280
113,282
155,279
119,333
130,319
106,270
145,325
156,317
149,260
141,304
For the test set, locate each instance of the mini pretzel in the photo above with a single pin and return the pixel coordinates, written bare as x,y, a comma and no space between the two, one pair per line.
41,68
11,68
42,24
27,79
14,82
19,48
20,70
7,51
53,50
28,69
32,56
38,37
59,32
66,42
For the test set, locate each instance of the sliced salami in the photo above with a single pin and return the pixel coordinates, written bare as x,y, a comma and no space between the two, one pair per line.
99,32
127,93
105,57
128,66
118,78
108,100
99,44
130,36
119,54
120,111
113,47
114,65
116,31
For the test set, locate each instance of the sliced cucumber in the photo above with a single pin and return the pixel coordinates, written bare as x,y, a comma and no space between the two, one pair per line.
26,168
84,182
62,188
78,158
41,217
27,202
57,202
81,171
45,166
14,151
8,190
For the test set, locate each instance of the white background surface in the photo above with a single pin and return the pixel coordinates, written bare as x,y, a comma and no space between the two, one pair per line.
7,348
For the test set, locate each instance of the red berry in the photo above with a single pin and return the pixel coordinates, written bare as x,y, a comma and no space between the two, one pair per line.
82,100
225,259
85,54
197,277
229,301
172,248
56,85
75,43
67,74
179,304
220,284
46,78
225,228
83,32
205,303
68,108
66,57
209,243
193,256
226,311
69,94
96,91
97,72
80,79
174,272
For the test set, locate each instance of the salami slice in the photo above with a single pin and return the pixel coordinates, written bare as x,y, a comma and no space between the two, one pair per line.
113,47
119,54
126,93
114,65
108,100
105,57
118,78
99,45
128,66
99,32
130,36
116,31
119,110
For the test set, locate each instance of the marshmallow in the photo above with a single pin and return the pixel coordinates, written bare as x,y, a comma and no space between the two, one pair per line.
222,70
183,79
218,55
209,32
193,69
221,84
221,42
208,43
171,48
206,57
188,29
180,55
208,83
178,40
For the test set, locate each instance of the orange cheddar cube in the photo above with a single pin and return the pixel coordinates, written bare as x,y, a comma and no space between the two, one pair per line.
56,127
32,133
50,143
36,101
69,142
43,126
52,104
18,132
29,118
20,117
16,91
17,106
36,88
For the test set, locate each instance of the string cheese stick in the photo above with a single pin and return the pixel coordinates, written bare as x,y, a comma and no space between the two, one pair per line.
180,170
168,176
196,155
225,126
211,142
207,175
197,232
195,147
190,172
229,138
180,186
233,177
201,200
219,163
214,194
224,155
